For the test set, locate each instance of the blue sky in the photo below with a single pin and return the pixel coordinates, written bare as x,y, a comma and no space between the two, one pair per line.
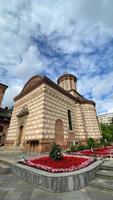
53,37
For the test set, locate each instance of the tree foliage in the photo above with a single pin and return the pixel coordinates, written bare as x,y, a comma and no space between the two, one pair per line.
107,131
90,143
111,121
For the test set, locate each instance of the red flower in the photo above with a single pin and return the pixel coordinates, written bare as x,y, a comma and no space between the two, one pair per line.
103,152
68,163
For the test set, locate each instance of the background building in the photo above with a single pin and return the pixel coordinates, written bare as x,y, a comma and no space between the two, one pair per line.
2,91
46,112
105,118
5,116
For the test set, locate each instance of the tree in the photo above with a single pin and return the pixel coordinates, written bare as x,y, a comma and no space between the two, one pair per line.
107,132
111,121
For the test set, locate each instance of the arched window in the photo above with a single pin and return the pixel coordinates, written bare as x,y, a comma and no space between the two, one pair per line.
1,128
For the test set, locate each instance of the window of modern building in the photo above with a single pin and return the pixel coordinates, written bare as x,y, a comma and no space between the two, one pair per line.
69,119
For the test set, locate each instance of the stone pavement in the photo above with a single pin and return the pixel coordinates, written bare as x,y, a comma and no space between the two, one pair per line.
20,155
13,188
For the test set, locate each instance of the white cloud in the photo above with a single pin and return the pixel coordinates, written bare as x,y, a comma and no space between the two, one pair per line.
81,26
11,92
31,64
100,88
105,105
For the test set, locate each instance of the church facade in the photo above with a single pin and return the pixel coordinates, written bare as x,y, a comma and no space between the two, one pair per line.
46,112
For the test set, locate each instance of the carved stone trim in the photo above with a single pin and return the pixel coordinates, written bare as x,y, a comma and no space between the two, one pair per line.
24,111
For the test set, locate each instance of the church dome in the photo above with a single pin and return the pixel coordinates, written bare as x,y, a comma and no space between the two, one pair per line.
67,82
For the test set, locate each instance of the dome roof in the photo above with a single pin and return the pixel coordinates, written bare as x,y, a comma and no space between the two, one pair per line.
66,76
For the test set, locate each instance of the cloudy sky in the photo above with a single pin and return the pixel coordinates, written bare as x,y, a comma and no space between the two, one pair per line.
53,37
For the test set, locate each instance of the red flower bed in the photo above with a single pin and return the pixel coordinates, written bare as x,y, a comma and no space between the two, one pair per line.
67,164
102,152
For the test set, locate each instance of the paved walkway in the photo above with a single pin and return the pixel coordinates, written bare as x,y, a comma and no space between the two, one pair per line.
20,155
13,188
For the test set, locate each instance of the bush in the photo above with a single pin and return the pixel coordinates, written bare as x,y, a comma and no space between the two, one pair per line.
55,152
73,148
98,144
81,147
103,142
91,143
77,147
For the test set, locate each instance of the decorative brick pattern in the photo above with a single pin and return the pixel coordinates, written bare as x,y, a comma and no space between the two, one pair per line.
45,106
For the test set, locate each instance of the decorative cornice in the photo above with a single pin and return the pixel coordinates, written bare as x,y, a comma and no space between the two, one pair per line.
72,90
3,87
1,84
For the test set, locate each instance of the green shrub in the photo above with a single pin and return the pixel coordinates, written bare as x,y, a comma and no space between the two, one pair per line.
73,148
81,147
98,144
77,147
103,142
91,143
86,146
55,152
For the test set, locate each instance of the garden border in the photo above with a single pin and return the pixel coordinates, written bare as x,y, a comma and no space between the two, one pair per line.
56,182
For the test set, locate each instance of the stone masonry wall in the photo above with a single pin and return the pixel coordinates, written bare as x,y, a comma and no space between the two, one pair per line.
91,124
46,105
80,129
55,107
33,127
84,120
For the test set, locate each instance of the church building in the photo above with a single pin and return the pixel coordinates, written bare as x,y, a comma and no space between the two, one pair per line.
46,112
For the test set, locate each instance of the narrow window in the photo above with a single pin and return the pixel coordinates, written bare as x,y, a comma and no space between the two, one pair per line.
1,128
69,119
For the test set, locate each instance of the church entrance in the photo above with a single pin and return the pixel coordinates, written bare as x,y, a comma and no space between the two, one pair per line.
59,132
20,135
22,117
